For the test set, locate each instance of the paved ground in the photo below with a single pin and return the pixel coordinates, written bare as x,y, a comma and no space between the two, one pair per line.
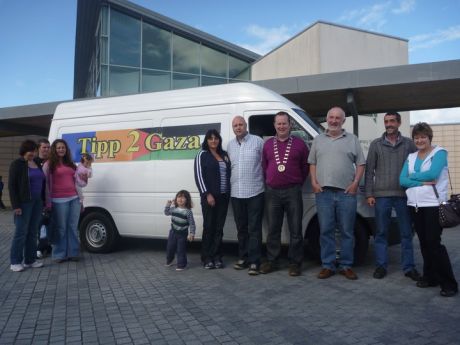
129,297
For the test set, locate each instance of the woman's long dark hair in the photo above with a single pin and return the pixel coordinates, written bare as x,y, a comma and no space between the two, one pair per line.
209,134
54,159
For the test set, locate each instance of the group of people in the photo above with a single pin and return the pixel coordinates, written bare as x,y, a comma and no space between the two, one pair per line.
409,176
254,175
44,179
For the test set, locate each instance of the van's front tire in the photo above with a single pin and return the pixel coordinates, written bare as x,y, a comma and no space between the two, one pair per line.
98,233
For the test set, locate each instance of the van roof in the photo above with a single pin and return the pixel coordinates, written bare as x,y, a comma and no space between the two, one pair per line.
174,99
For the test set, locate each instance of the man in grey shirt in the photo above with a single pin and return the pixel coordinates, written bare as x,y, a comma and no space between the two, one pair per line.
384,163
336,166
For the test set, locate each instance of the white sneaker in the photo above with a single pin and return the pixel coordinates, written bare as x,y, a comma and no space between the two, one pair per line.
35,264
39,254
17,268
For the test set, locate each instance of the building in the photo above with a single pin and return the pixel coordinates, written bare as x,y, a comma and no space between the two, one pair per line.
122,48
447,136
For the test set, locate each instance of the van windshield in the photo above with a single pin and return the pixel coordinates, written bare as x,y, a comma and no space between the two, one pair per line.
307,119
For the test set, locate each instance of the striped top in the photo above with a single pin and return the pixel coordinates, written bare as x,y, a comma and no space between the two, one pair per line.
181,219
223,177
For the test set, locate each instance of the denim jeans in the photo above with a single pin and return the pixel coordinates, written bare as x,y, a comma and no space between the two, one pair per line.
177,244
64,221
336,209
279,202
383,207
248,215
24,245
213,228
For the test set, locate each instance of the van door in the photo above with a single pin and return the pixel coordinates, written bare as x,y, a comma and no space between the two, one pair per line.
175,168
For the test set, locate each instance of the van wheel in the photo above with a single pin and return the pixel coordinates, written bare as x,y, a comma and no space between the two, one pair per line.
98,233
313,247
361,242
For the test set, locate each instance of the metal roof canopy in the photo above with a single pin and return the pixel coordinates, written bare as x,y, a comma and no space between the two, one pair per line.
34,119
377,90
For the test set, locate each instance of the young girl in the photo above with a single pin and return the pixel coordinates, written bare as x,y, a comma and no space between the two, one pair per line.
82,174
182,227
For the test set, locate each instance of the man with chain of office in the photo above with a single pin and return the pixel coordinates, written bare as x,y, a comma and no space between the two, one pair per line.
285,166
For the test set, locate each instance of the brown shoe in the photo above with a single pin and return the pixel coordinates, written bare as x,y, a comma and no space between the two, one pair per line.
266,267
349,274
325,273
294,270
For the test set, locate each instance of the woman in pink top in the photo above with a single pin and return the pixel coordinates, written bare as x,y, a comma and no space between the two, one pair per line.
64,202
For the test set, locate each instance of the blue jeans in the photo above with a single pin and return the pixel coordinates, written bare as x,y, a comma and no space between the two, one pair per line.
24,245
383,207
278,202
336,209
177,244
64,221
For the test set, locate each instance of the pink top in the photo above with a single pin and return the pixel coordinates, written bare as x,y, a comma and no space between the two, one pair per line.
63,182
82,174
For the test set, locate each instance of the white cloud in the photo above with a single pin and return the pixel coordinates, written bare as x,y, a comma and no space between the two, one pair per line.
433,39
372,17
432,116
405,6
375,17
267,38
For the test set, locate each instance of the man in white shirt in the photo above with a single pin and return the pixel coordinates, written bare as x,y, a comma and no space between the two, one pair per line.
247,194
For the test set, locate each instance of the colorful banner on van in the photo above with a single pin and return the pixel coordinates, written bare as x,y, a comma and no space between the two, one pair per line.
165,143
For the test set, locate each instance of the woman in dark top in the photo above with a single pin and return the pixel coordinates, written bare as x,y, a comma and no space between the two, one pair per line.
26,183
212,177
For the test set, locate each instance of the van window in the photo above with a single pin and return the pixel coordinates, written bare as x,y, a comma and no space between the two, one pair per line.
262,125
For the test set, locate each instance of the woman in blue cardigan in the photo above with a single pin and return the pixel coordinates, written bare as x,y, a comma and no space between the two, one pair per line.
212,177
425,176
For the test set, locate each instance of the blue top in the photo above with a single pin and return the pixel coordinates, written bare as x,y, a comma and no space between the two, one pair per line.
36,178
417,178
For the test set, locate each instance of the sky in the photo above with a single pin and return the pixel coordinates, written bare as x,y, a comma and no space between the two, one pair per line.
37,37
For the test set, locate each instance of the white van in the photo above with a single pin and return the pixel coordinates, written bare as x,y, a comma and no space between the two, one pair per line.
144,147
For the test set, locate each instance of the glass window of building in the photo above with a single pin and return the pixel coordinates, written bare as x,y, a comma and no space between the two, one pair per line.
238,69
206,81
123,80
104,81
125,40
104,21
213,62
156,47
183,81
155,81
186,55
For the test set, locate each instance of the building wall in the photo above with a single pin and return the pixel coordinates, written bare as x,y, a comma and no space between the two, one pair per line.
446,135
326,48
299,56
344,49
9,151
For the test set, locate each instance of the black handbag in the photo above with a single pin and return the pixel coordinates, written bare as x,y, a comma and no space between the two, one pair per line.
449,211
